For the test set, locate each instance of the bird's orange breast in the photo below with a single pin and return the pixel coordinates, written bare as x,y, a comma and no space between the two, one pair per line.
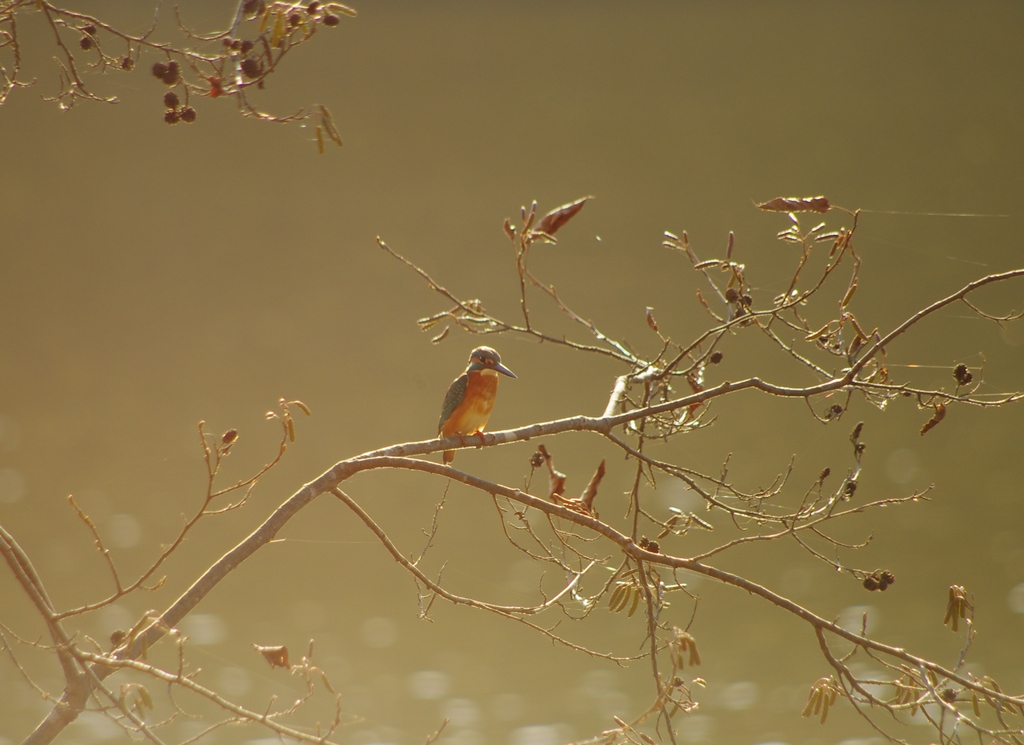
474,410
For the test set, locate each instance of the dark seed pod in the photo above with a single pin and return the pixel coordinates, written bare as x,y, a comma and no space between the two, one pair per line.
962,375
250,68
331,20
171,100
173,74
188,115
171,116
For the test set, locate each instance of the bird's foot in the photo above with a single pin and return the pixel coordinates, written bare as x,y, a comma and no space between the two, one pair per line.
483,440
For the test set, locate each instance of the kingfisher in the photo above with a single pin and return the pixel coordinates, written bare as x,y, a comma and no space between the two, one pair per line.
470,398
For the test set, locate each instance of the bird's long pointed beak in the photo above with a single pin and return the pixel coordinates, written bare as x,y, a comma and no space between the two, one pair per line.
502,369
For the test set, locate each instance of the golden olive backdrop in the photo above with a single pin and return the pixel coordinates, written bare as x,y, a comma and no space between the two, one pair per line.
154,276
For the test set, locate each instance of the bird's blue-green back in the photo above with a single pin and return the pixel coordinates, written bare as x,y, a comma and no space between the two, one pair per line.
456,392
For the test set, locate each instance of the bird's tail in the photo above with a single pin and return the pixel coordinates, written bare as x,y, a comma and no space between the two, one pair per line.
448,457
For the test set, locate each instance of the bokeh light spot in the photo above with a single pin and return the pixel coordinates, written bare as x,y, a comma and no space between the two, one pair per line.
508,706
902,466
463,712
379,632
741,695
125,530
851,618
539,734
428,685
204,628
234,681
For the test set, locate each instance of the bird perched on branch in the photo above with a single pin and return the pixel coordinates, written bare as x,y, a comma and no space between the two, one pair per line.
470,398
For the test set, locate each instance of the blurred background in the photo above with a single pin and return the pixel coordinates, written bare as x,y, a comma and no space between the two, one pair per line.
154,276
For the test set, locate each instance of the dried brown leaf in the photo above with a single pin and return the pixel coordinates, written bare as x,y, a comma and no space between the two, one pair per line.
277,656
650,320
591,491
556,485
938,416
795,204
556,218
556,479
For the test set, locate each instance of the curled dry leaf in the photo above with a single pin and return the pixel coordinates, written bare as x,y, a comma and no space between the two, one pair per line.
276,656
795,204
650,320
556,479
591,491
938,416
556,218
556,484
